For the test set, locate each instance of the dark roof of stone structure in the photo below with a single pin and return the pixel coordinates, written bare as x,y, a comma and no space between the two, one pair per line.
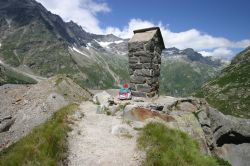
147,34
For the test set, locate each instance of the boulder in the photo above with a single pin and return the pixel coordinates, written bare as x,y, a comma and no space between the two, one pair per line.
102,98
155,106
187,106
228,129
227,136
233,153
141,113
120,130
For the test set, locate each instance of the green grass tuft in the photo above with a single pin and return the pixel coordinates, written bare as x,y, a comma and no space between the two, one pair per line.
165,146
45,145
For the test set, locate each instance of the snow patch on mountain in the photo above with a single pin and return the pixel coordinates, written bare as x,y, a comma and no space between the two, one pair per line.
106,44
78,51
88,45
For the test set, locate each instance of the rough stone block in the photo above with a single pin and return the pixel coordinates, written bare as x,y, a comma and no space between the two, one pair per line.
152,80
150,46
144,88
139,94
147,65
158,50
152,94
133,59
132,86
131,72
137,79
156,66
147,72
155,85
143,54
135,66
136,46
157,60
138,72
130,54
144,59
157,73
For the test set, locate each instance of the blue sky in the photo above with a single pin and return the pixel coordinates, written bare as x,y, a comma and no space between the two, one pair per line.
214,28
226,18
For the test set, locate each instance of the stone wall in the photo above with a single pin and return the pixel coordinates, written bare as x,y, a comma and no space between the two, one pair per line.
144,65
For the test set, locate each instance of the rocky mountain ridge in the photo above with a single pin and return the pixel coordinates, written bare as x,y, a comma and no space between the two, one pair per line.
191,55
36,41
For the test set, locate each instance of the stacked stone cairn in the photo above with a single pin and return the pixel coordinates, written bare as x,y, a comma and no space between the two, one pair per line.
145,49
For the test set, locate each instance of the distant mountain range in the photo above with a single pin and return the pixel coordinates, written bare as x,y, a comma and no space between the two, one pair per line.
230,91
191,55
39,43
184,71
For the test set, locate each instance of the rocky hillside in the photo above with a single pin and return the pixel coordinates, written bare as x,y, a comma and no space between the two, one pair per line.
229,92
184,71
25,106
37,41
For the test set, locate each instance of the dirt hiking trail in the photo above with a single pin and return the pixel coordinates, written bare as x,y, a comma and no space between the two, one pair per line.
94,140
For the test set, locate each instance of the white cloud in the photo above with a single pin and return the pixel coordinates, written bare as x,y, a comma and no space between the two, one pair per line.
127,31
82,12
221,53
220,47
191,38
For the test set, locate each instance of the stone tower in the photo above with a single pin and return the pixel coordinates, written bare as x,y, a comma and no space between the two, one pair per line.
145,49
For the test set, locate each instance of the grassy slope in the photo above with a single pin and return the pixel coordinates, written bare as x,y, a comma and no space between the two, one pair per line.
181,78
33,45
45,145
230,92
165,147
7,75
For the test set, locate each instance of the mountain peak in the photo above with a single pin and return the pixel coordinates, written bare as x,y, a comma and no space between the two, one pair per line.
191,55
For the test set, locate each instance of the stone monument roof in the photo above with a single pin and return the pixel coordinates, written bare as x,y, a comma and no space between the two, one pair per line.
146,34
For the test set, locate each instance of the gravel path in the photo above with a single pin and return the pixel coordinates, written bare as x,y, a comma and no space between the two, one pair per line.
91,142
